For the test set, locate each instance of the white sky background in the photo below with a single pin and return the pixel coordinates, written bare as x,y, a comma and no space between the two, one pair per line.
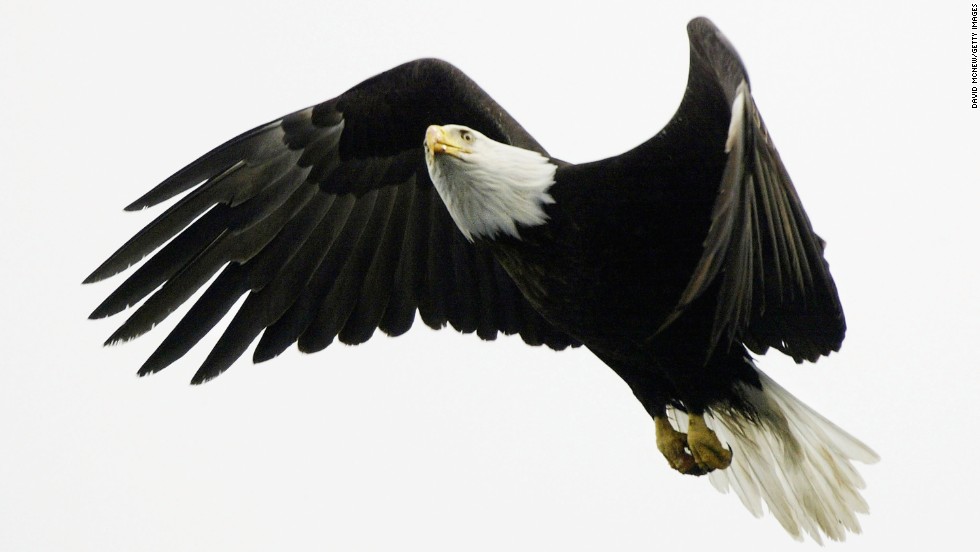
437,441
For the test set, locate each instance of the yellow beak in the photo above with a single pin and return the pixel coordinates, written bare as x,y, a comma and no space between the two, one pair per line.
440,142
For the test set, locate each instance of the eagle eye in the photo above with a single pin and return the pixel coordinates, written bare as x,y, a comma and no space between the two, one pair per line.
466,136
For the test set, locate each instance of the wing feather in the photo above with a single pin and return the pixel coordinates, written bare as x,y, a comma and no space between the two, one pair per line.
774,286
339,303
379,278
327,221
399,314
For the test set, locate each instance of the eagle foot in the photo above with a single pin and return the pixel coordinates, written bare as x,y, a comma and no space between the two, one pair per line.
707,451
673,445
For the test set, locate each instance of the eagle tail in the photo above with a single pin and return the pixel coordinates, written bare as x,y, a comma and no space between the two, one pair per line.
791,457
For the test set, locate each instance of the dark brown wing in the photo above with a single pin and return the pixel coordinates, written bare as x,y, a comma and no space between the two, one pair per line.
775,287
327,219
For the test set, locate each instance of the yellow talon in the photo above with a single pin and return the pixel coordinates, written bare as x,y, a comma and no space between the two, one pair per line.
672,445
707,450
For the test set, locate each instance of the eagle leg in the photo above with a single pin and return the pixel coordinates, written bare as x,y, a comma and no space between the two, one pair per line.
672,445
707,450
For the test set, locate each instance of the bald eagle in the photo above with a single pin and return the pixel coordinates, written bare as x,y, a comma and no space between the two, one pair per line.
415,191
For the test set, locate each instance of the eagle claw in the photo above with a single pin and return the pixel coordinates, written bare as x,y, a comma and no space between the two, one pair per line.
706,449
673,445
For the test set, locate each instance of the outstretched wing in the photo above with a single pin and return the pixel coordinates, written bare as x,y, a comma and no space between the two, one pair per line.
775,288
327,219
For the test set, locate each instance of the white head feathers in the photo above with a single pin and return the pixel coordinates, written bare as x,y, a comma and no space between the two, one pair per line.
489,188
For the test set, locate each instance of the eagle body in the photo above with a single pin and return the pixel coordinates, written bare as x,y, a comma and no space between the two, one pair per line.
609,280
415,194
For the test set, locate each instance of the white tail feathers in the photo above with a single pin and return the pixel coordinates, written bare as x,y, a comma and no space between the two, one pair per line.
792,458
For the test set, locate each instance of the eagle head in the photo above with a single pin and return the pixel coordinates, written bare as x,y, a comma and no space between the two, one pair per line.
490,188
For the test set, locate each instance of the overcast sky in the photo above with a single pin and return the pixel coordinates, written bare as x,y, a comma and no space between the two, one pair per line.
435,441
